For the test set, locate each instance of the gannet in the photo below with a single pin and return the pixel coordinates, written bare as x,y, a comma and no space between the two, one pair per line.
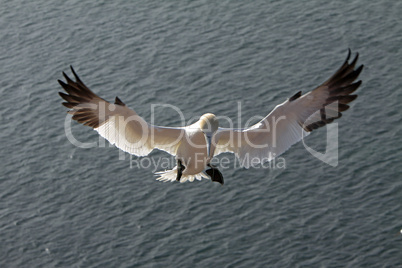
195,145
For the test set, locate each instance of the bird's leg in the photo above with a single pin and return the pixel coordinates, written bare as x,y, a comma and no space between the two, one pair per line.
214,173
180,169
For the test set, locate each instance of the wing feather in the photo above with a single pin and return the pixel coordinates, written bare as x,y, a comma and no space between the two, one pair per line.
295,118
117,123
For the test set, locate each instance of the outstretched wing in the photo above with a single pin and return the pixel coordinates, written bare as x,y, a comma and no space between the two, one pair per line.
290,121
116,122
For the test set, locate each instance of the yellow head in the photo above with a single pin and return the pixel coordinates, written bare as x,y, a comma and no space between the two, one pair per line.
209,123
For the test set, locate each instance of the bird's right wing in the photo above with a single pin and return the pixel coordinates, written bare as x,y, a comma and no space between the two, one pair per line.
290,121
116,122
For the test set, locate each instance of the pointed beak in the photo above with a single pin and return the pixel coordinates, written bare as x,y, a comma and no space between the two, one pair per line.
209,140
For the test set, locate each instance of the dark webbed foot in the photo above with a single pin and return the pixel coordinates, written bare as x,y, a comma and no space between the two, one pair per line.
180,169
214,173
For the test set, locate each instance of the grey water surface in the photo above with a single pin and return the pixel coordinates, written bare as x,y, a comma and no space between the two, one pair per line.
67,206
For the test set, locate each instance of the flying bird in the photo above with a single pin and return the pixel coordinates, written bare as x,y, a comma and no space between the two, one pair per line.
195,145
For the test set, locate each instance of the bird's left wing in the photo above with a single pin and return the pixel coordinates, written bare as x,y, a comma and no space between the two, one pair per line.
290,121
116,122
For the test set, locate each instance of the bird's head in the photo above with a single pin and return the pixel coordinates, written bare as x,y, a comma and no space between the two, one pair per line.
209,123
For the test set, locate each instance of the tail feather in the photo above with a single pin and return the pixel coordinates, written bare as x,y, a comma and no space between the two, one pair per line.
170,175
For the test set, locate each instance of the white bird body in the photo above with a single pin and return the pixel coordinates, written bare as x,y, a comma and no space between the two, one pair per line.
194,158
195,145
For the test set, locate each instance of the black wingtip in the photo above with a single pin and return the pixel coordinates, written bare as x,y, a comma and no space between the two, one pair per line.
119,102
61,94
358,71
77,78
62,84
67,77
295,96
354,60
